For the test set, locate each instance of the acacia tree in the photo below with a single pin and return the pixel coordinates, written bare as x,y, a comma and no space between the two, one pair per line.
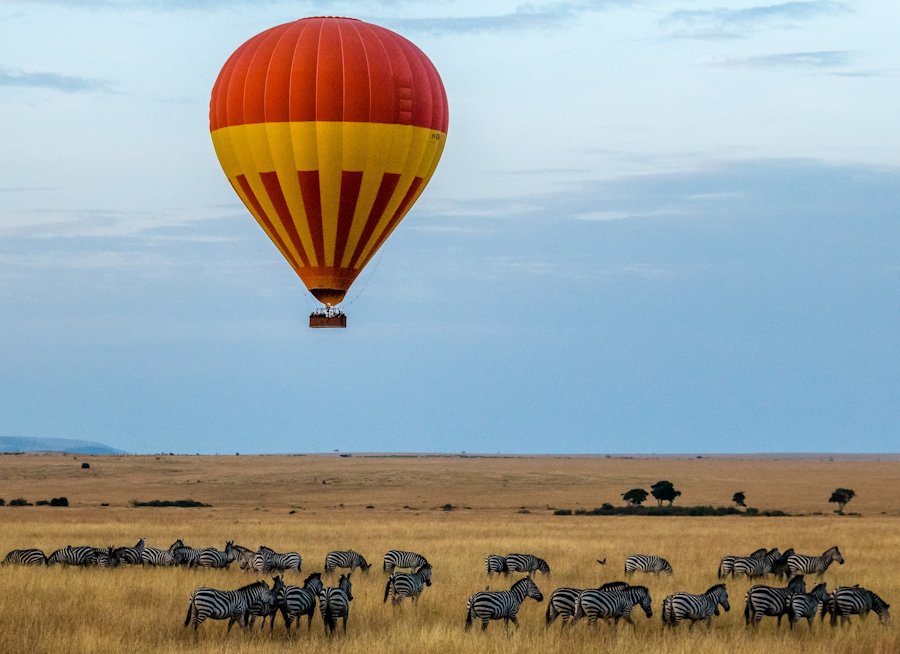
664,491
841,496
635,497
739,499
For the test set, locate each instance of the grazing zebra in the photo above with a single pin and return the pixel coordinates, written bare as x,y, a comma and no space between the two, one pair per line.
401,559
131,555
780,566
761,601
184,555
159,557
334,603
296,601
495,564
853,600
401,585
685,606
756,567
234,605
345,559
647,563
726,565
563,601
799,564
526,563
213,558
31,556
68,555
280,561
613,603
105,557
806,605
504,604
266,604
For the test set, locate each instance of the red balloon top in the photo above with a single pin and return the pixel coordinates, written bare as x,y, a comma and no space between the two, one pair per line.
329,69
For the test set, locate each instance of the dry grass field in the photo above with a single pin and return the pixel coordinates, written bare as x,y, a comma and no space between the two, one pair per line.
313,504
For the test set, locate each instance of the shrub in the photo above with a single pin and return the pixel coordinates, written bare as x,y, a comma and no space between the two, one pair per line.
59,501
164,503
562,512
19,501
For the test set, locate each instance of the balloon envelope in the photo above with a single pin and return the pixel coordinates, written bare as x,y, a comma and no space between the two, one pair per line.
328,129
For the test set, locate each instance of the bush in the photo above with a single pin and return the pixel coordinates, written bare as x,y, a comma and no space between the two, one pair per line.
19,501
164,503
59,501
562,512
2,502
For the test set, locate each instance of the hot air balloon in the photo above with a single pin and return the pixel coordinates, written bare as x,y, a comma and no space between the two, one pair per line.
328,130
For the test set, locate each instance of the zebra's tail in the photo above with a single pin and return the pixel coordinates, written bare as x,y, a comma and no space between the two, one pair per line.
579,610
719,573
469,614
387,588
328,619
551,613
187,620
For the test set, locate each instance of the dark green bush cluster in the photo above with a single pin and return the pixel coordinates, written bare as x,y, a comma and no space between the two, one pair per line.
163,503
609,509
56,501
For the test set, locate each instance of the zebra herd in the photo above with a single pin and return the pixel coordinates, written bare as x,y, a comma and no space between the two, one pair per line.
613,601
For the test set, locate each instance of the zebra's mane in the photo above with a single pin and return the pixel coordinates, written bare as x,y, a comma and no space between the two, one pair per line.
796,582
714,589
314,575
877,603
614,585
255,584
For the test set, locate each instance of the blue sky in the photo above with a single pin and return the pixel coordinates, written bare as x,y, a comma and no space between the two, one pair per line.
658,226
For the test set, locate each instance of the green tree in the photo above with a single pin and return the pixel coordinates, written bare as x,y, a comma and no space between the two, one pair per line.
739,498
841,496
636,496
664,491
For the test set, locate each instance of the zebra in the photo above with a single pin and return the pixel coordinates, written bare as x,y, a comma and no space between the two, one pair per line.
685,606
401,559
799,564
68,555
780,566
184,555
131,555
846,601
401,585
504,604
295,601
105,557
266,605
160,557
756,567
345,559
563,601
30,556
726,565
213,558
233,605
495,564
281,561
806,605
334,603
646,563
762,600
526,563
613,603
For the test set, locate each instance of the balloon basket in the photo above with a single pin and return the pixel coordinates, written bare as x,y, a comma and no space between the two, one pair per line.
327,317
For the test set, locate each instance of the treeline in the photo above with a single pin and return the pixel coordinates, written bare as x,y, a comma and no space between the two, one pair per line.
609,509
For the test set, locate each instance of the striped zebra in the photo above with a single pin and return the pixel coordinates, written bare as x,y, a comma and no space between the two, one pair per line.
726,565
756,567
401,585
806,605
615,604
266,604
131,555
233,605
296,601
504,604
646,563
30,556
345,559
68,555
495,564
334,603
685,606
846,601
402,559
528,563
799,564
186,556
780,566
105,557
213,558
159,557
563,601
280,561
761,601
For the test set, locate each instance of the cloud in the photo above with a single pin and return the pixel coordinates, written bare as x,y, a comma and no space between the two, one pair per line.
723,22
52,81
818,59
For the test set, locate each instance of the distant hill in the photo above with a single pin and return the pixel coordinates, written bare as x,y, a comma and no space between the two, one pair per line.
24,444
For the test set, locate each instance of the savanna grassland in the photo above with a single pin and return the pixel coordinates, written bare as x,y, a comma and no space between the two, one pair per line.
313,504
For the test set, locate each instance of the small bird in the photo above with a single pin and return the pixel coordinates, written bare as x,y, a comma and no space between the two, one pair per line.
603,562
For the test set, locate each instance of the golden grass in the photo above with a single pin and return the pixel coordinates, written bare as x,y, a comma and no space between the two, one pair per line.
142,610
